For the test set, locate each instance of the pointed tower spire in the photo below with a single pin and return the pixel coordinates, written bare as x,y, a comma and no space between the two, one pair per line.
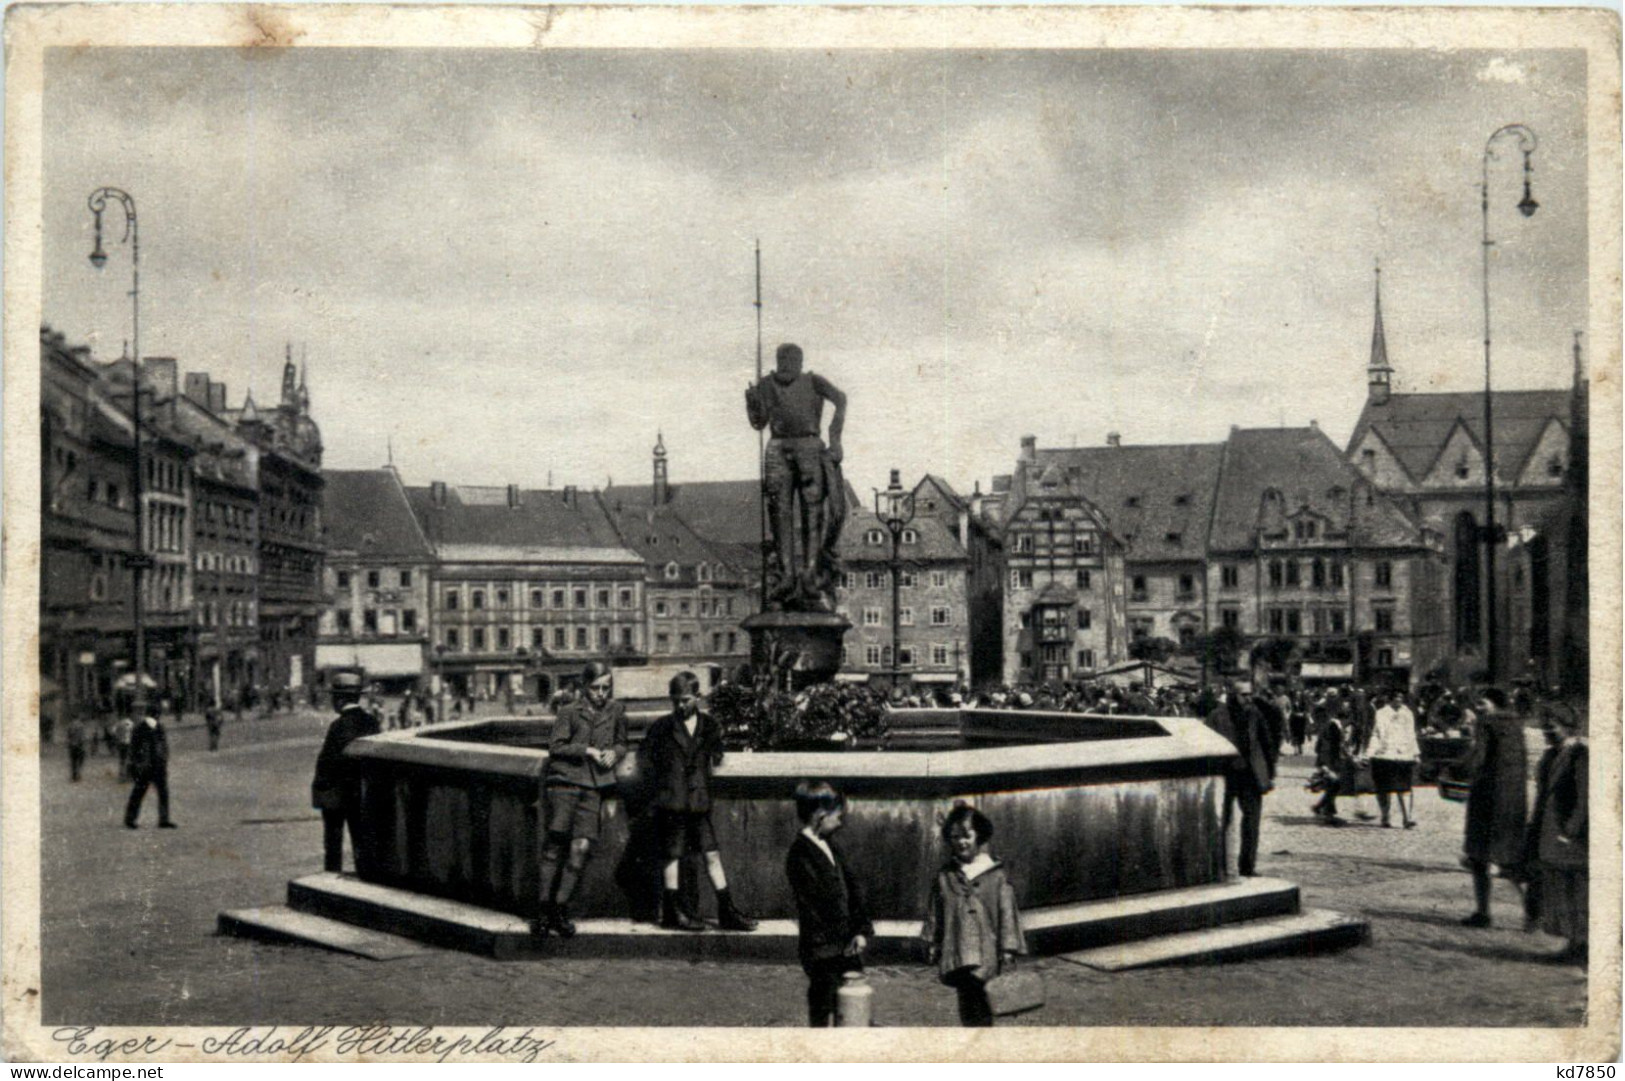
290,389
304,387
661,492
1379,373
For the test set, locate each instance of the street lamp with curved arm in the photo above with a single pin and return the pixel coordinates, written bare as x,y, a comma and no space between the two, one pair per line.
138,562
895,509
1527,207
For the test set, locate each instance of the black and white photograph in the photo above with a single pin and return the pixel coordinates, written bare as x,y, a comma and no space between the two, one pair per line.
709,524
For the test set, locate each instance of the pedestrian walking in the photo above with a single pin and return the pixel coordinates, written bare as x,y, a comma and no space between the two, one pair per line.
149,767
1331,762
336,788
1557,863
123,733
78,742
1394,754
1256,735
833,925
1495,770
683,748
972,930
588,742
214,723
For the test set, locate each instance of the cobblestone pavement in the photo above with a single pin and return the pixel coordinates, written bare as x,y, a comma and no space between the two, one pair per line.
128,929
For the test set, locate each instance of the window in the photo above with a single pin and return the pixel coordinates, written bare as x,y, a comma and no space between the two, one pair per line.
905,617
581,638
1294,621
905,579
662,642
538,638
476,639
873,579
686,642
871,617
1084,545
558,638
1132,501
1368,460
344,580
871,656
1292,575
1085,580
1339,622
905,656
626,637
580,598
1305,529
452,639
406,579
372,579
1385,575
1277,573
477,599
874,538
626,598
1139,629
1026,660
849,580
941,616
1020,579
1187,585
603,637
1554,467
1085,619
703,572
684,608
1173,538
535,598
1277,620
1086,658
369,620
1137,590
504,639
661,609
911,536
343,618
1383,617
939,579
1461,469
1317,574
558,598
1230,617
716,641
409,620
603,598
502,598
672,572
1024,543
1229,576
1336,574
1385,658
733,641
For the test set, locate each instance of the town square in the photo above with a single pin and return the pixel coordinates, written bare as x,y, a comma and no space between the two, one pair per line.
775,538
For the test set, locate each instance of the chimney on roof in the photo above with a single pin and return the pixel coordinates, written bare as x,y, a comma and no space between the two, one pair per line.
217,397
196,387
1114,439
1029,448
569,495
161,375
514,498
437,492
1315,424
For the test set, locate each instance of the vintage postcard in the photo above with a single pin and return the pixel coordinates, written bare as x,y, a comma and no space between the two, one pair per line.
585,533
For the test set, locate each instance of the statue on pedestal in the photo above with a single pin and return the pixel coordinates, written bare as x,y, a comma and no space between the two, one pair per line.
801,477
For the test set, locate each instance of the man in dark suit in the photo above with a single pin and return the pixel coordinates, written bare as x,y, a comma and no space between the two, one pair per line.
1257,740
149,765
336,790
680,751
834,925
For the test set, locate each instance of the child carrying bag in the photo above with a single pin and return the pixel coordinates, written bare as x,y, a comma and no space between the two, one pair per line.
1015,991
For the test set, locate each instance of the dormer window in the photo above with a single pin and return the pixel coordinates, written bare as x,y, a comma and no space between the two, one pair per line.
703,572
1132,501
911,536
672,571
1174,538
874,537
1182,500
1461,469
1554,467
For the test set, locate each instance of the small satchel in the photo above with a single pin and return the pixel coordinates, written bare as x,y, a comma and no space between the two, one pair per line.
1015,991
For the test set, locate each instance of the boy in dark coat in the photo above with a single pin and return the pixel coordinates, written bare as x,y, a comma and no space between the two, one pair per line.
834,926
335,790
681,750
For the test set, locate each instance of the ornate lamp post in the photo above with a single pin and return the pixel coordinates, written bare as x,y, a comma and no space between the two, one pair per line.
895,509
141,560
1527,206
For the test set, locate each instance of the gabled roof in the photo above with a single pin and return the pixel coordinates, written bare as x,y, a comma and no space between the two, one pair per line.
1310,475
544,519
937,542
1416,426
1156,499
661,536
954,499
727,512
366,512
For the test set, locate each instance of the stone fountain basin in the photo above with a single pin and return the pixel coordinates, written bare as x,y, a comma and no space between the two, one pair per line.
1084,808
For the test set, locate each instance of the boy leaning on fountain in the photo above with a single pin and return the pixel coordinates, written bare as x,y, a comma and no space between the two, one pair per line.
682,748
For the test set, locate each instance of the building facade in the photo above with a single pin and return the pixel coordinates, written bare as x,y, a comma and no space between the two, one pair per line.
376,581
933,610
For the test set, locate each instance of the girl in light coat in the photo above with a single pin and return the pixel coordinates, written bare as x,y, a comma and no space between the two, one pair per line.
972,929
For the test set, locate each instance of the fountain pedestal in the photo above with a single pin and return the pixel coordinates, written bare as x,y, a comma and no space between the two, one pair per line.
814,638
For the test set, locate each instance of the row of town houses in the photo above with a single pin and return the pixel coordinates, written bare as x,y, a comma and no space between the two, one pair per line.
1366,561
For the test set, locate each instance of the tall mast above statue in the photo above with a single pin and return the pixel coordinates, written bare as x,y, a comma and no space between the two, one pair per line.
801,476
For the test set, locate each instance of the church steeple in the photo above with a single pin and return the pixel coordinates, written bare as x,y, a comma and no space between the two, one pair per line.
290,389
661,491
1379,373
304,387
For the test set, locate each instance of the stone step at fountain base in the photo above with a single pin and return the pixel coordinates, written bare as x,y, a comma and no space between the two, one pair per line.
279,923
1311,931
1074,930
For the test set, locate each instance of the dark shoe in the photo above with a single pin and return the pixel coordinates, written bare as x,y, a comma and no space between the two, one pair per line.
1411,824
731,919
559,922
673,918
130,825
168,826
1477,919
538,929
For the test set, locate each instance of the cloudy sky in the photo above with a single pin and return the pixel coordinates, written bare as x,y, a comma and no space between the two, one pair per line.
520,264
